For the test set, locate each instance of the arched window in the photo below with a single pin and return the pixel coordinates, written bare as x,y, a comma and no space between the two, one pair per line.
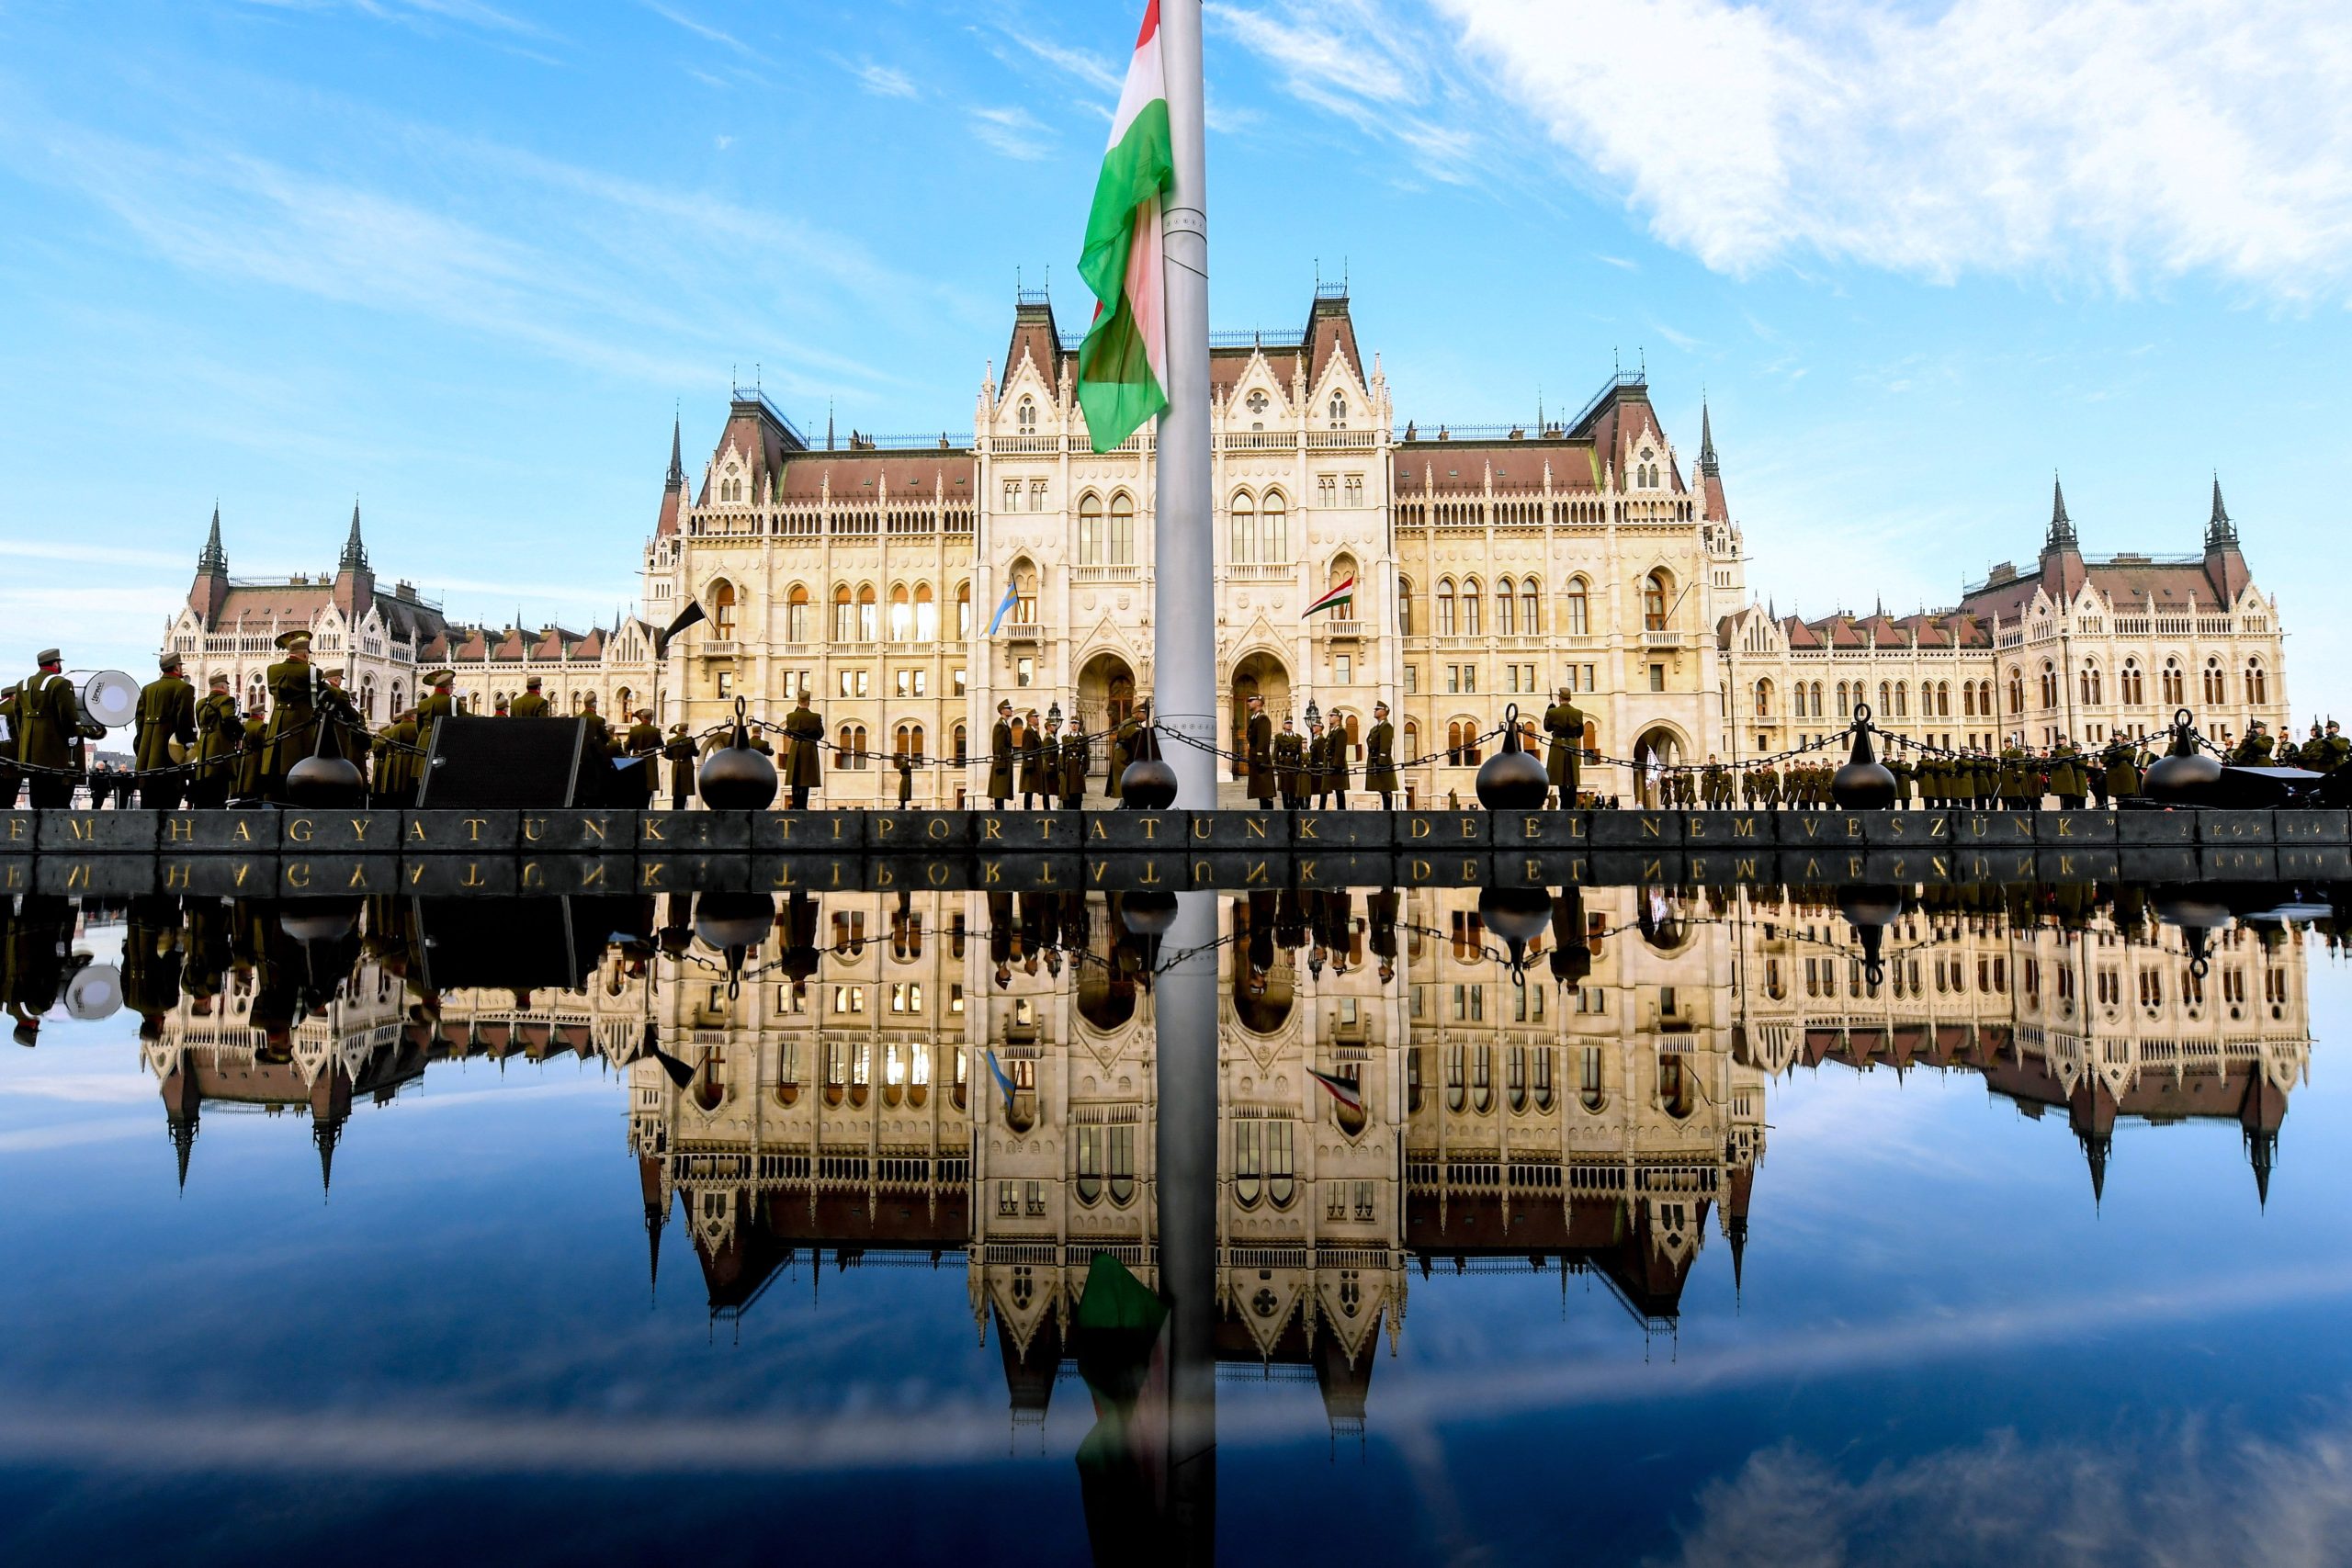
851,752
962,610
1764,699
1817,709
926,614
1967,699
722,610
2257,684
2017,689
1943,699
1445,622
2215,692
1901,699
2088,682
2134,689
2172,684
368,696
1027,415
1885,701
1090,530
903,614
1654,602
1412,741
1024,592
1453,744
1506,608
1245,529
399,695
1123,529
1845,699
1338,411
963,751
1470,613
1405,606
2048,684
1529,598
795,614
1797,707
1578,607
867,631
909,741
844,613
624,704
1273,529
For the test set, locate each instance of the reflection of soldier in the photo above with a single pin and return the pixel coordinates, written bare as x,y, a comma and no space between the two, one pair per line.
1564,722
1289,755
35,963
1259,748
1380,757
12,777
167,714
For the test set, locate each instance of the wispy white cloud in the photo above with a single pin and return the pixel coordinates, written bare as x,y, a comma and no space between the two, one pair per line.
1087,67
1013,131
2116,140
705,31
883,81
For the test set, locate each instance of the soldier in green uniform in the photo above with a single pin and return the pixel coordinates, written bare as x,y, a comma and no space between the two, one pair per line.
1289,753
396,764
2068,780
429,714
2122,771
1379,757
166,713
253,765
1310,777
11,778
804,767
2335,749
1258,748
50,730
1564,723
1767,787
2009,784
644,742
679,751
1714,786
1000,759
1032,752
1331,783
339,716
1046,756
293,684
1077,761
2253,751
532,704
218,736
1906,773
600,733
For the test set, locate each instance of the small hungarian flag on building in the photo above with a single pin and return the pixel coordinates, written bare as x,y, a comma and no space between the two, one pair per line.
1122,364
1340,594
1344,1090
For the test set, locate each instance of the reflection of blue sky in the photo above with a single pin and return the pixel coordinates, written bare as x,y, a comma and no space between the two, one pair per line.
1943,1351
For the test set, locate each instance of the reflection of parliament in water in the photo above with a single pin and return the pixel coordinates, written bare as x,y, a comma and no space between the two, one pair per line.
1590,1121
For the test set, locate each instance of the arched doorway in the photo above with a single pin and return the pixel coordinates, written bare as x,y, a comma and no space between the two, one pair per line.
1658,749
1257,675
1107,695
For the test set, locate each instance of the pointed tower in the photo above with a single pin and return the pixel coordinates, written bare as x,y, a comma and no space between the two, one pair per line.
2223,564
673,487
327,1132
1707,464
2061,554
209,595
355,582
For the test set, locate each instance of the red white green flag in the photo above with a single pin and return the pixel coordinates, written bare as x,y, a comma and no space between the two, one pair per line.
1344,1090
1343,592
1122,364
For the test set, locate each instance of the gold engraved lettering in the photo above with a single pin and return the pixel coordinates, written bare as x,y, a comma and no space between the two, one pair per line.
299,830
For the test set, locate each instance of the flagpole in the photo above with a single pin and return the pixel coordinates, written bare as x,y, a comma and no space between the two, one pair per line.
1184,586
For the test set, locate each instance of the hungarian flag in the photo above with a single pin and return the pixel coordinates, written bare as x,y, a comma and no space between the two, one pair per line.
1344,1090
1340,594
1122,364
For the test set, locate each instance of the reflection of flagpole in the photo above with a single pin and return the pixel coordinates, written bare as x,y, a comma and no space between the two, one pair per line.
1184,587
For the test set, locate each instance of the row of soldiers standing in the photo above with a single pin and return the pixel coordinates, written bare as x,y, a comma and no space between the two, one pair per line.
1311,771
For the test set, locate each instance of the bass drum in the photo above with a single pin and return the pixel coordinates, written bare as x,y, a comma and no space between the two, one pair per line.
94,992
108,696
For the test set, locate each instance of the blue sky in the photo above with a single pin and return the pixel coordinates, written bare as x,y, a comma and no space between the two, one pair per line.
462,258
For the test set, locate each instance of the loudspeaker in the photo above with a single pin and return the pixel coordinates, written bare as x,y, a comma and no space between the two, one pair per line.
505,764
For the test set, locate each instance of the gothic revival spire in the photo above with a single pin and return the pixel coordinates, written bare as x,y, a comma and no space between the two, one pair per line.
677,476
215,561
656,1216
325,1132
2220,532
1707,465
2061,528
183,1130
355,550
2262,1153
2096,1147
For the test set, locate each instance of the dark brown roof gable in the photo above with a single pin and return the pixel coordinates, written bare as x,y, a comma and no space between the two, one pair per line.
1034,337
760,433
855,476
1331,330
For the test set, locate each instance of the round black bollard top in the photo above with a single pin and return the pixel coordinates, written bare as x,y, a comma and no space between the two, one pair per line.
1148,785
735,777
1512,780
321,783
2184,775
1863,784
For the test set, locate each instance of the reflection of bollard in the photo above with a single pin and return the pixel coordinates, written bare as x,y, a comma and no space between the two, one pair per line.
2198,915
2182,776
735,777
1519,916
1870,910
1864,783
734,925
1512,780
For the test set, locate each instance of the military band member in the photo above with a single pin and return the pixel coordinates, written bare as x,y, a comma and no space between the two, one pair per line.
1142,741
1078,760
218,736
49,732
11,778
679,751
2335,749
2253,751
1257,748
397,765
339,716
166,713
1564,722
253,764
1033,770
804,766
293,683
1001,759
2123,772
431,712
600,733
532,704
2067,780
1380,757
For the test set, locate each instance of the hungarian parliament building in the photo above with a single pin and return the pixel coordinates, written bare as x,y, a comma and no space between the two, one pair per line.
1492,564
